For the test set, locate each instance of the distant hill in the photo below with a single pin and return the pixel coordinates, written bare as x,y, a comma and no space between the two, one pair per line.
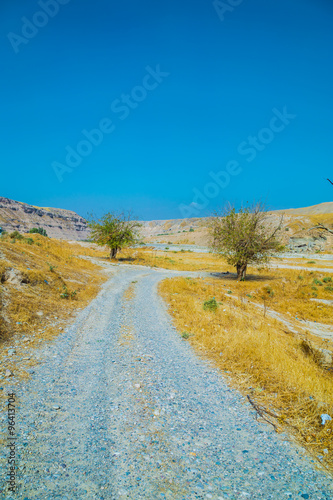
299,224
322,208
65,224
58,223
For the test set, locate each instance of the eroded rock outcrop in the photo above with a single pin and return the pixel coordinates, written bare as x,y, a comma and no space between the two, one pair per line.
58,223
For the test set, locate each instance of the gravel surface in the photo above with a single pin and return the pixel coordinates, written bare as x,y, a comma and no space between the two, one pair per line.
120,407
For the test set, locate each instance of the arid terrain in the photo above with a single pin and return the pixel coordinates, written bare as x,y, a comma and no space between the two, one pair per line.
58,223
299,233
141,328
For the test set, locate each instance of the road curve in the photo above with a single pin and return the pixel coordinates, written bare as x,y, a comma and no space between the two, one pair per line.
120,407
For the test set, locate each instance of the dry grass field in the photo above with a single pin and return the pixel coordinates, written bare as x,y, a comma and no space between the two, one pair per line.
43,281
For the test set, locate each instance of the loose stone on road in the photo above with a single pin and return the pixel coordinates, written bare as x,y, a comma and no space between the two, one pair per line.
121,407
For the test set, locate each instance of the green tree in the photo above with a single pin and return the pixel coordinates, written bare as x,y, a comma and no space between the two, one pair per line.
244,237
114,230
38,230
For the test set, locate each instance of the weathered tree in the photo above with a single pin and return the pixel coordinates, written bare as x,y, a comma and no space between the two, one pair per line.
115,230
244,237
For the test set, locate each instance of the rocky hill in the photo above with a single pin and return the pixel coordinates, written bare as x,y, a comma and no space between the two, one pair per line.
58,223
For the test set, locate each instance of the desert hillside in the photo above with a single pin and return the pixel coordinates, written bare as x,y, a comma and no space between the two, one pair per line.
299,233
58,223
322,208
299,225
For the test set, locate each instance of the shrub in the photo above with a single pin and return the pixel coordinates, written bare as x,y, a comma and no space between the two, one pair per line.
30,241
316,282
311,262
38,230
328,279
185,335
269,291
66,294
300,277
210,305
191,230
15,235
329,288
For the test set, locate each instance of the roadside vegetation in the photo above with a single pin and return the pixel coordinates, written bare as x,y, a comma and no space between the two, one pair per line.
43,281
287,375
171,259
244,237
115,231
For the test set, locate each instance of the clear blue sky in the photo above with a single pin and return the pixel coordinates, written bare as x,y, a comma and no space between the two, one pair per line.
226,74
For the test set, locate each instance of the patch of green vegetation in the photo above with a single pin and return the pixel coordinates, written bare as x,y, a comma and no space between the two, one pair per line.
210,305
66,294
15,235
38,230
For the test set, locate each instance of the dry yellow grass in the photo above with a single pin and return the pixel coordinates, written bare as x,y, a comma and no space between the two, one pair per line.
177,260
286,291
277,369
47,277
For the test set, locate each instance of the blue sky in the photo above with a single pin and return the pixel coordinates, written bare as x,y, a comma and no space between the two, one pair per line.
221,79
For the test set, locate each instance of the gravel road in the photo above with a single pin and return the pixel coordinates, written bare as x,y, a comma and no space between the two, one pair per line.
120,407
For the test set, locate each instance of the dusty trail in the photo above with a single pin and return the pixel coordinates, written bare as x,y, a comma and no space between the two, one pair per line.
121,408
